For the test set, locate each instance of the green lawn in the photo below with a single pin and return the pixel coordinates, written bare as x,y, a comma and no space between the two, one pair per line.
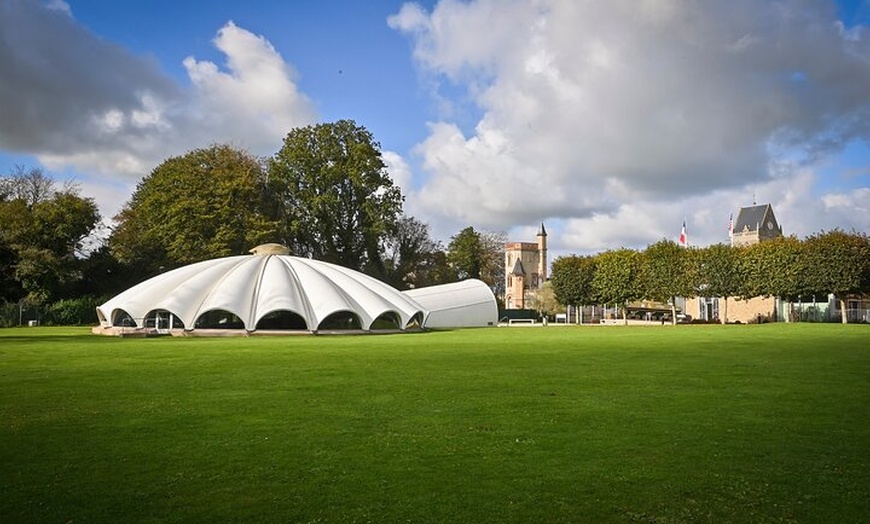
765,423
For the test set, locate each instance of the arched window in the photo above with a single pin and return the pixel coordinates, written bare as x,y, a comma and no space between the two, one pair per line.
162,319
339,321
416,322
219,319
388,320
121,318
282,320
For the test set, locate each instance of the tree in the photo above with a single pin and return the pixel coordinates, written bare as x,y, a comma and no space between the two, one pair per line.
41,230
665,273
465,253
333,196
29,186
492,268
572,279
410,255
544,301
772,269
478,254
616,277
204,204
10,287
718,273
838,263
435,269
789,281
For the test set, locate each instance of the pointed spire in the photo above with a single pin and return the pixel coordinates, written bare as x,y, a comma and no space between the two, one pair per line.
518,270
542,232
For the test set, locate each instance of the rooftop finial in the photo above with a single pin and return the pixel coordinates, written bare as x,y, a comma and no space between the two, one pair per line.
270,249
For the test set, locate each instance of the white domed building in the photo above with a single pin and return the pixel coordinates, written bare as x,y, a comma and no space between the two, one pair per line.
272,292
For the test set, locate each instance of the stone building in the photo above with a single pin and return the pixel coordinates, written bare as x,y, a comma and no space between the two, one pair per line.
525,270
753,224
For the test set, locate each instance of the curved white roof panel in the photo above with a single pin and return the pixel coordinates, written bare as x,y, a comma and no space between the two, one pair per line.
242,291
469,303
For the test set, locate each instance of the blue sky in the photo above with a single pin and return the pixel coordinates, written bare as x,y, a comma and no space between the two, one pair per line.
348,60
609,121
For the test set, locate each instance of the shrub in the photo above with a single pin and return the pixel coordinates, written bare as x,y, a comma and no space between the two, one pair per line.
72,312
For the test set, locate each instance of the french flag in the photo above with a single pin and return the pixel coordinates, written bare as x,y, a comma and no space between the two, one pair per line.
684,237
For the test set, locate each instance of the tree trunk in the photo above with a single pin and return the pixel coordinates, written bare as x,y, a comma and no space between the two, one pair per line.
625,315
845,318
725,312
673,311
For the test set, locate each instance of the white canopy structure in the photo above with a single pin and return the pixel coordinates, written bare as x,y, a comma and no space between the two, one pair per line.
469,303
275,292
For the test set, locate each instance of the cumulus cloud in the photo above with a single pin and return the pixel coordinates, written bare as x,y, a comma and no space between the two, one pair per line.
399,170
618,118
76,100
255,101
63,90
799,209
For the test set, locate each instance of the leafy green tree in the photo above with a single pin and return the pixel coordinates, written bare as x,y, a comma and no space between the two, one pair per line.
103,275
435,269
204,204
333,196
756,263
465,253
789,282
838,263
10,287
572,278
718,273
410,255
772,269
478,254
665,273
41,234
616,277
492,269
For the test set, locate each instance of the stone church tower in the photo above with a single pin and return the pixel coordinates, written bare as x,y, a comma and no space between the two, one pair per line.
755,224
525,270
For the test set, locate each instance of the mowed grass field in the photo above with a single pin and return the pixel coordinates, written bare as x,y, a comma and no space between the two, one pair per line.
715,424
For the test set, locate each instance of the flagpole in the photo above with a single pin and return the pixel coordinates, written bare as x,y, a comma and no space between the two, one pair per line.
731,226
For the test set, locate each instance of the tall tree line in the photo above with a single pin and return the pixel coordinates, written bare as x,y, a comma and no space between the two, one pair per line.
42,230
834,262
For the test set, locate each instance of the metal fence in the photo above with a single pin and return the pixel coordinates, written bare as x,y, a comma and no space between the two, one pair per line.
858,315
19,314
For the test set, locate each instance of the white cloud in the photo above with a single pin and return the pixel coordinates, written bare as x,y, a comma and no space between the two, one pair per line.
800,209
618,118
60,6
255,102
77,101
399,170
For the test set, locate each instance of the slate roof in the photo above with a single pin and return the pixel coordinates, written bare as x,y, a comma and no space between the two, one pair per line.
518,269
753,218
